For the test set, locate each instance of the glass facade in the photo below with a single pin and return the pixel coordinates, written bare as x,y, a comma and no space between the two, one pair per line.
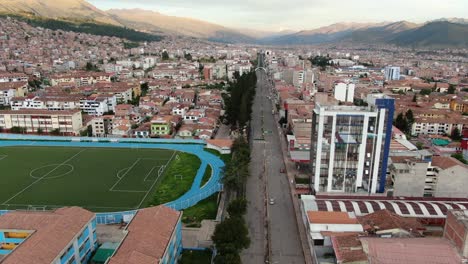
349,147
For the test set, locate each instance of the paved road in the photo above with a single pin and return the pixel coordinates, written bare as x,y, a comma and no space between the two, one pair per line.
279,238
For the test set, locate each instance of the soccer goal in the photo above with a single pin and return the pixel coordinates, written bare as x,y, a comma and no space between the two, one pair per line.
37,208
161,171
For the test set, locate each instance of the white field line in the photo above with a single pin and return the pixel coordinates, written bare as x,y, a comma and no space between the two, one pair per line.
2,157
118,173
45,175
125,174
149,173
155,181
127,191
154,159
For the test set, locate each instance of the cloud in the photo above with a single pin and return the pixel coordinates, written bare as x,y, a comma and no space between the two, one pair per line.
296,14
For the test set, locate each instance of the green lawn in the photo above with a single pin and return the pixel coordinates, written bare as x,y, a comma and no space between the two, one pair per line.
205,209
177,180
99,179
195,257
224,157
206,176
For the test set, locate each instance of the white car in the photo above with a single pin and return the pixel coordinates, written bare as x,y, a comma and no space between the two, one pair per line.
272,201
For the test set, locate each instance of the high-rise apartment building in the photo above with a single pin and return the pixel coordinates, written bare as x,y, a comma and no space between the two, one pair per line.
350,146
392,73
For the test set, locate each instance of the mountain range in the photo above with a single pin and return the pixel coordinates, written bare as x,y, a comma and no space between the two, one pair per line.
445,32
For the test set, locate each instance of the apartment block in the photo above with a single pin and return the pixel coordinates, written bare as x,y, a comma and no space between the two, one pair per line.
350,146
67,122
437,177
439,125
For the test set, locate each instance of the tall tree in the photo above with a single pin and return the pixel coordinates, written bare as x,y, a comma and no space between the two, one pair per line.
165,55
237,207
456,135
401,123
409,117
231,236
451,89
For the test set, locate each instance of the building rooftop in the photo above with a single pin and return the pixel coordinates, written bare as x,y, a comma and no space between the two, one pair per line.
149,234
386,220
410,250
461,216
348,249
446,162
39,112
222,143
403,206
52,232
316,217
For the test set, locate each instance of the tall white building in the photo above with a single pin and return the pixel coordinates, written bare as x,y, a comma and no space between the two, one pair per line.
344,92
350,146
392,73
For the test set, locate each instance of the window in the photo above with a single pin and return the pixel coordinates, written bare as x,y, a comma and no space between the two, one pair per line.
71,260
318,242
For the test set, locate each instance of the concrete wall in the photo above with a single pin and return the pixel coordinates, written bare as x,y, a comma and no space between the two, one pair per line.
452,182
410,184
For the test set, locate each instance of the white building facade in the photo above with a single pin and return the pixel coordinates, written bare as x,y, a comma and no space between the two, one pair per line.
392,73
344,92
350,146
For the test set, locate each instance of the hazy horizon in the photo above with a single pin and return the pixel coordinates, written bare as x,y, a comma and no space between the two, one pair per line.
278,15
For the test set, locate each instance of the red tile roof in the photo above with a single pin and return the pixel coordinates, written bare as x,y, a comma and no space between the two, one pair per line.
317,217
386,220
223,143
348,249
54,230
446,162
149,234
410,250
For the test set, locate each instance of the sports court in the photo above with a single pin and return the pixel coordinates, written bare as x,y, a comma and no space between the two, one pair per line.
99,179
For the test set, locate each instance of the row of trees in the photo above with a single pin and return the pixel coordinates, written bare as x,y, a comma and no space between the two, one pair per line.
239,101
236,170
231,236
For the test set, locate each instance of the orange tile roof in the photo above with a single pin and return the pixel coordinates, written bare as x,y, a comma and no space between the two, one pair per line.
224,143
446,162
54,230
320,217
348,249
410,250
149,234
385,220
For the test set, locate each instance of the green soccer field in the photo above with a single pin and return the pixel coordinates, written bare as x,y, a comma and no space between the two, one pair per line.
99,179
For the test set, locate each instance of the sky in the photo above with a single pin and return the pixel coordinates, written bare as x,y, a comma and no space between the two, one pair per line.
277,15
